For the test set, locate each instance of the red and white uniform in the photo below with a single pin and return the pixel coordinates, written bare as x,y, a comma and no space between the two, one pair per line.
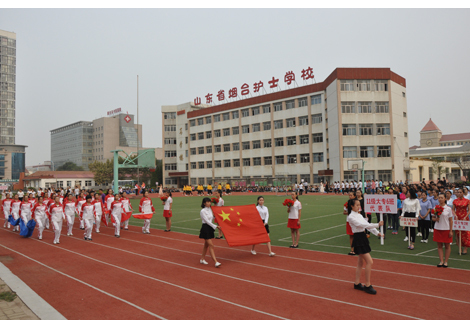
15,212
99,209
88,215
78,209
6,207
146,206
126,203
56,215
26,213
69,211
107,203
40,215
116,212
167,208
47,202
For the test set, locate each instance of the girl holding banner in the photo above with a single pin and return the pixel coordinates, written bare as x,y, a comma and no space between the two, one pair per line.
411,208
347,211
443,231
461,209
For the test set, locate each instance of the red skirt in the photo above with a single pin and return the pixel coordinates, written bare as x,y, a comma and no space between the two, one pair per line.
348,229
441,236
167,213
292,223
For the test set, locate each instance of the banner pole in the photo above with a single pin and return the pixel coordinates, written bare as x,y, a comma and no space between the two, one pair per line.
460,242
381,230
409,236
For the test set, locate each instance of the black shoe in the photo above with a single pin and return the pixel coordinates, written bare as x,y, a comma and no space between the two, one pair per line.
369,289
445,266
440,265
90,239
359,286
218,237
85,238
296,246
351,253
82,228
167,230
292,246
117,236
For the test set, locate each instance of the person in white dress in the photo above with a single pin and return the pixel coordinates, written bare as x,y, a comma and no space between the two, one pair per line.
322,189
264,214
442,234
167,212
294,219
207,231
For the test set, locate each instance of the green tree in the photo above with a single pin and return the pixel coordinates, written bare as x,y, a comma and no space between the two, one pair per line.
438,169
69,166
102,171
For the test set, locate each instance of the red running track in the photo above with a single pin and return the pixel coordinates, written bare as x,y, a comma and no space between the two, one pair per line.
158,276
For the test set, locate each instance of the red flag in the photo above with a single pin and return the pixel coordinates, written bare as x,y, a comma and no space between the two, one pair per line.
103,219
125,216
143,216
241,225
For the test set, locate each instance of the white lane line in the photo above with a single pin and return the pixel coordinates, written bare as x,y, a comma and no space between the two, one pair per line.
326,239
82,282
315,231
426,251
185,220
322,216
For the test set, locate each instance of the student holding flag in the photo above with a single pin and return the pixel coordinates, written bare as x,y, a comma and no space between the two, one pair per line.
218,195
40,215
116,213
264,214
146,207
127,210
15,210
207,231
69,211
99,208
26,208
6,207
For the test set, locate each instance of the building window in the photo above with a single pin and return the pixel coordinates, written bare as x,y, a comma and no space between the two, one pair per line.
193,165
208,134
268,160
235,146
192,151
365,129
367,152
290,122
256,144
305,158
170,153
403,94
170,167
348,107
349,152
200,150
291,159
303,139
315,99
245,113
290,104
291,140
404,114
279,160
217,133
317,137
267,125
363,85
227,162
383,151
200,121
256,127
317,118
278,124
256,161
186,140
235,130
226,147
246,145
381,86
349,129
192,122
364,107
170,141
383,129
192,137
208,120
169,115
277,106
216,118
226,131
168,128
236,162
200,165
303,120
267,143
200,136
267,108
317,157
208,149
385,175
406,135
303,102
225,116
245,129
235,114
406,154
279,142
347,85
381,107
209,164
217,148
255,111
218,164
246,162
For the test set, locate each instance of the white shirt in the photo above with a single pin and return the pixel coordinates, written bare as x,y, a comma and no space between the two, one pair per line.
294,210
360,184
20,194
443,222
207,216
411,206
221,202
342,185
359,224
263,213
168,201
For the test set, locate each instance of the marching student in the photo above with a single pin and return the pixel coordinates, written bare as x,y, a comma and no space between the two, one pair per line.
108,200
26,208
361,244
99,208
146,206
78,208
410,209
167,212
15,210
87,213
227,189
40,215
116,213
207,231
347,211
69,212
443,231
218,194
127,208
209,189
294,220
6,207
56,215
264,214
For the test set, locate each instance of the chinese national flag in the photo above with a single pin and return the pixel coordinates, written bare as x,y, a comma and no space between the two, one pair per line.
143,216
241,225
125,216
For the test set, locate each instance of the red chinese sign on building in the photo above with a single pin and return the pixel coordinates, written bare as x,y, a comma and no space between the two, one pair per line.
114,112
380,204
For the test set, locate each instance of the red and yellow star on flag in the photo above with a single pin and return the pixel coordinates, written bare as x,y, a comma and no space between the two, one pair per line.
241,225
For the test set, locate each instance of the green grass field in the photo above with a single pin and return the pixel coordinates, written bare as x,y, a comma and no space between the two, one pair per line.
323,227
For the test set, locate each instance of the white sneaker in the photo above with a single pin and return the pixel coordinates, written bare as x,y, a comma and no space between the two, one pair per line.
431,230
47,226
406,239
272,254
4,225
425,241
55,242
419,234
253,252
143,231
8,225
40,237
202,261
217,264
147,232
97,231
68,234
422,241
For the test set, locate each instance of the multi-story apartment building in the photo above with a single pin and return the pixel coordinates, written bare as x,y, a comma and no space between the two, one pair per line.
308,132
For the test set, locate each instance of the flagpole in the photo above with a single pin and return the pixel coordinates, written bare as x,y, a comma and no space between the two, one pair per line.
137,126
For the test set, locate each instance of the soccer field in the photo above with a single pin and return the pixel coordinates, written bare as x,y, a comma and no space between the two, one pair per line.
323,227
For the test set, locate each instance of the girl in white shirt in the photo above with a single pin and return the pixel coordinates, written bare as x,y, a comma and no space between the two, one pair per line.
361,244
207,231
411,208
294,220
264,214
218,194
167,213
443,231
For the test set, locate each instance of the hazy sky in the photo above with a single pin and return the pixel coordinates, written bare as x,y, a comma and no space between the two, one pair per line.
76,64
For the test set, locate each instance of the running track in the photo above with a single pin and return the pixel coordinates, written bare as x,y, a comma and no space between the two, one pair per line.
158,276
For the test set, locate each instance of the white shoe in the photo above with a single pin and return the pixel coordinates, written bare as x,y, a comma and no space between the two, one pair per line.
40,237
5,225
97,231
253,252
422,241
406,239
55,242
8,226
431,230
272,254
202,261
147,232
419,234
68,234
217,264
425,241
143,231
47,227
